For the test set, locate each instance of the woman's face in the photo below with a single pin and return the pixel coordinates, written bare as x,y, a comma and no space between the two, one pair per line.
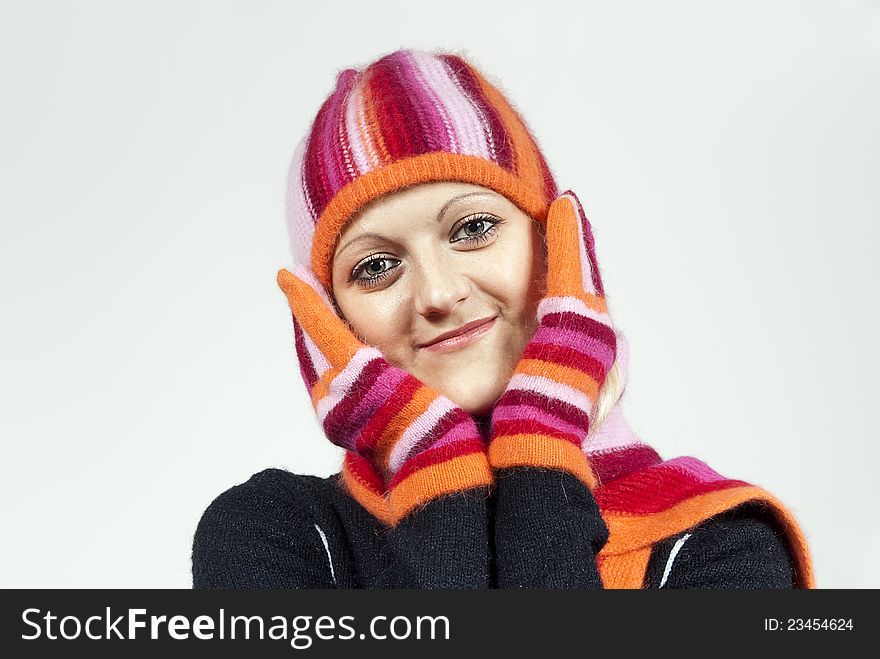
431,259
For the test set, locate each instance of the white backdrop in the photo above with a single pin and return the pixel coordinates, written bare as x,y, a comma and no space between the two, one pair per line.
727,155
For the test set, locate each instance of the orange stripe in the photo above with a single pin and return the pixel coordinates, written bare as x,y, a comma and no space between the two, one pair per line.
627,570
573,377
374,504
373,125
451,476
527,163
536,450
363,130
436,166
564,268
628,532
322,386
323,326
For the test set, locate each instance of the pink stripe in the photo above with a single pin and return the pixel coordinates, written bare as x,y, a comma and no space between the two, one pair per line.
493,127
694,467
463,430
612,434
343,382
463,114
418,429
425,105
486,137
353,110
586,266
589,242
300,213
345,146
316,182
319,362
332,166
571,304
370,147
427,68
551,388
304,272
576,340
516,412
375,396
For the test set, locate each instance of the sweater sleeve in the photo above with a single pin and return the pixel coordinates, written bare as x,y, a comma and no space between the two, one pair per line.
280,530
742,548
548,530
442,544
252,537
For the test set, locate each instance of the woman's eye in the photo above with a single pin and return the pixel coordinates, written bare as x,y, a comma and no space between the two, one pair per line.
375,268
477,229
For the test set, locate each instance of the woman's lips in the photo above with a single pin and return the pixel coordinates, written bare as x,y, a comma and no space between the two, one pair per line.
462,340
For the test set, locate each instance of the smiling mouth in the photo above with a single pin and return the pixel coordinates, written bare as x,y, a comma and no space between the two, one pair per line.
467,338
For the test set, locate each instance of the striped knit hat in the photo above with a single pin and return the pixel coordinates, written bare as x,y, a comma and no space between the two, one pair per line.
410,117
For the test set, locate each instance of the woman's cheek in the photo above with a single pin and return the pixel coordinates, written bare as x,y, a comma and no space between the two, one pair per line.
514,282
388,325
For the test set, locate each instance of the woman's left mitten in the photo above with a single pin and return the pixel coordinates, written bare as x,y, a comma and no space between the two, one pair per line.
545,413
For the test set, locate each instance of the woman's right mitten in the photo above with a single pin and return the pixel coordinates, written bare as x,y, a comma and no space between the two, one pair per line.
405,443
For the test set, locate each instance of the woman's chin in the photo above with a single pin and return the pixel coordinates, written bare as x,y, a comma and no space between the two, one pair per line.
483,408
475,403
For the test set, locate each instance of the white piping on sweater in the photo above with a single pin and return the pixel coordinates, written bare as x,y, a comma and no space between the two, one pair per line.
327,549
672,554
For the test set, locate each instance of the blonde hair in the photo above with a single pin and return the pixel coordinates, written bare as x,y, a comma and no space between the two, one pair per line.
609,395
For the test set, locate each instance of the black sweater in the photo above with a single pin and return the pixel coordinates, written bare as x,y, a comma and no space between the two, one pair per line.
535,528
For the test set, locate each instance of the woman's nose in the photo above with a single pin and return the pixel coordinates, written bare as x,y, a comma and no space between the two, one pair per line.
438,286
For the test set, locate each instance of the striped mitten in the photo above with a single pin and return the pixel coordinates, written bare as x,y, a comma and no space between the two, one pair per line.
405,443
544,415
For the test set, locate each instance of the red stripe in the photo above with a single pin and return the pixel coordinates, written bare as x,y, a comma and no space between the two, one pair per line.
306,367
436,455
550,352
590,245
550,189
574,321
452,419
339,425
365,472
402,86
504,151
613,464
655,489
348,170
368,438
390,107
317,181
507,427
558,408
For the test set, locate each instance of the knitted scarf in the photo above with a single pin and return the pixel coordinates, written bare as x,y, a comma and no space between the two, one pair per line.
643,499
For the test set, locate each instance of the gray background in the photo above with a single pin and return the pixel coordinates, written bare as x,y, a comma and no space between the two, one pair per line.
727,156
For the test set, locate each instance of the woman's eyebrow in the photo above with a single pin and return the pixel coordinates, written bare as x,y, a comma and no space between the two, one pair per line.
376,236
452,201
445,207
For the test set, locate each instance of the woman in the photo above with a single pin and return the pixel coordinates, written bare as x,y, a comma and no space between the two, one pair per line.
451,327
